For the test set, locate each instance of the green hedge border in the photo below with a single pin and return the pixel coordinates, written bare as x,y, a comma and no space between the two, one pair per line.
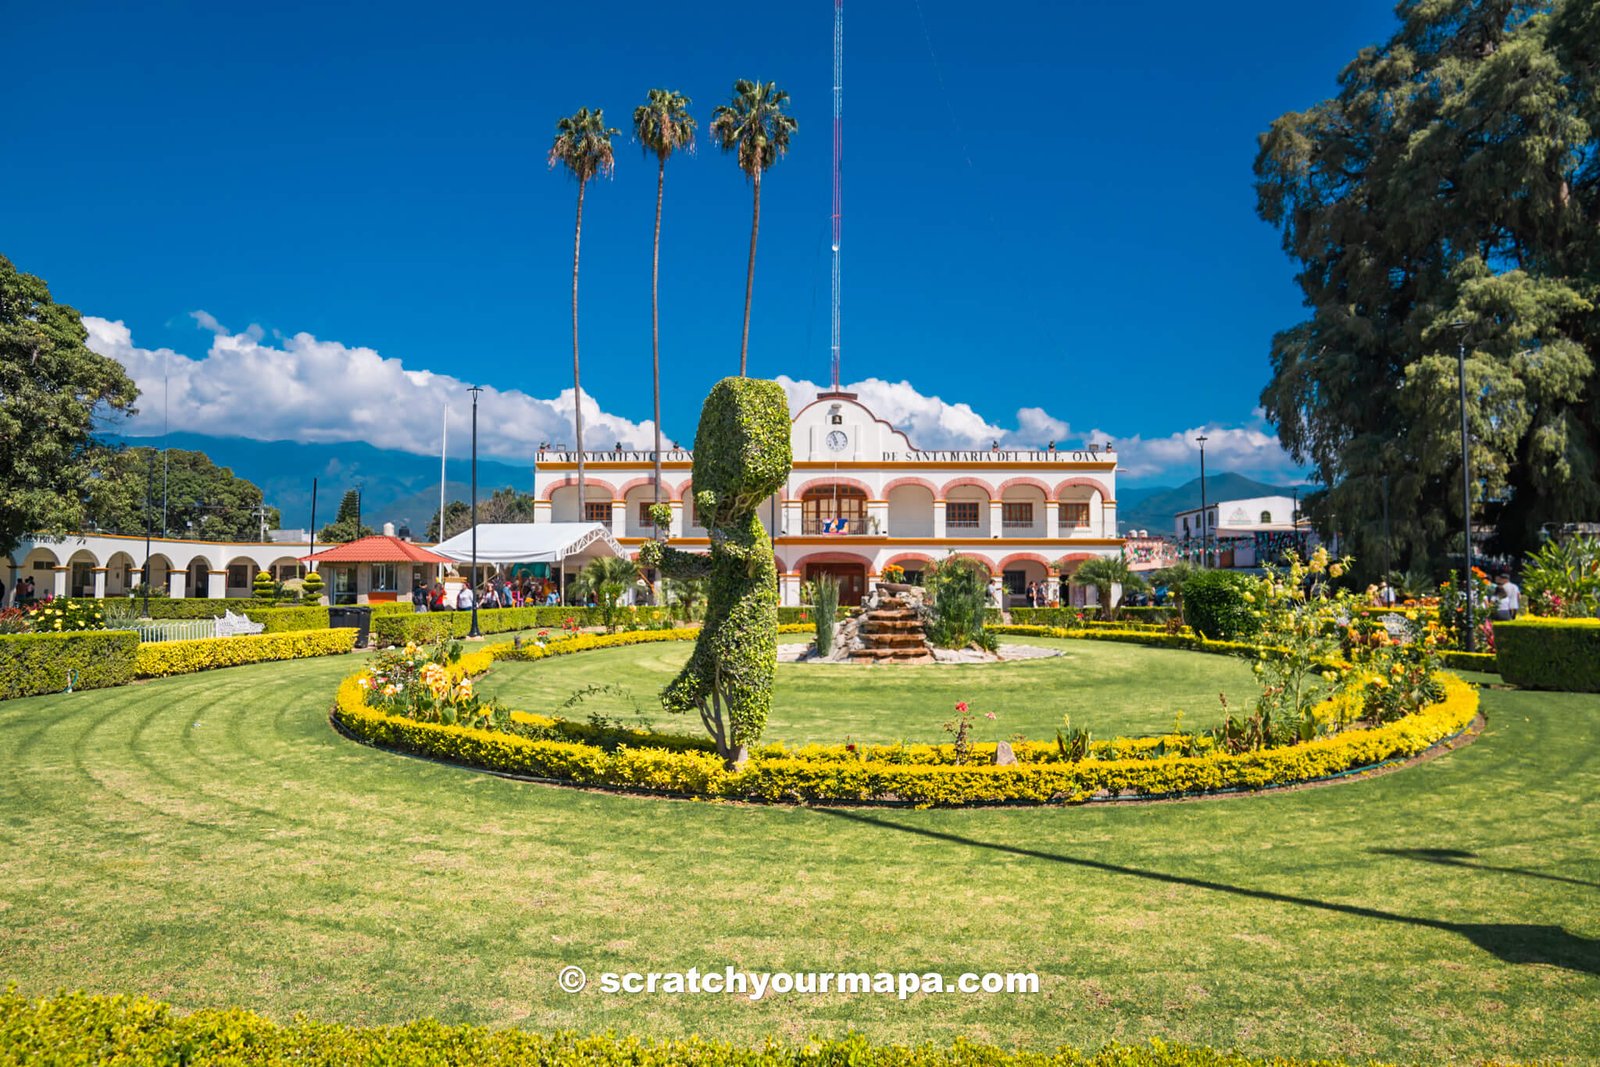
163,658
1559,654
853,780
35,664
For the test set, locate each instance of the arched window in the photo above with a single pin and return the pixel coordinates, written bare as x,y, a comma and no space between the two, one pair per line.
821,510
1266,518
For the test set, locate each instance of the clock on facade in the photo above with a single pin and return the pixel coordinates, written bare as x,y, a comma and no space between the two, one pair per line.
837,441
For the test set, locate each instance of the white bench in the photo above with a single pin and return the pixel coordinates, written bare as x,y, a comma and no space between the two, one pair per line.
231,625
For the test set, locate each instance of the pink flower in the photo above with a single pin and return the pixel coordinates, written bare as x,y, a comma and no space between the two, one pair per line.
988,715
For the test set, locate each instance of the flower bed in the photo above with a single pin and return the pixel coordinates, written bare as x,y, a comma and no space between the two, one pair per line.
1561,654
428,627
186,657
546,748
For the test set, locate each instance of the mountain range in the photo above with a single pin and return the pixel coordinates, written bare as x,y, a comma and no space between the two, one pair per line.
403,488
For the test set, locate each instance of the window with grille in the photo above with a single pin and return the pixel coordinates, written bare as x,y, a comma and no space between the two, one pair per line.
822,509
1077,513
961,515
644,512
1020,514
597,511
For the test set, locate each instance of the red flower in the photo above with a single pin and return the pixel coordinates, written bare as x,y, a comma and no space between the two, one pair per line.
961,705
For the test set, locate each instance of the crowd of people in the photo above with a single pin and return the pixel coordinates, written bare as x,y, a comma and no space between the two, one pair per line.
496,592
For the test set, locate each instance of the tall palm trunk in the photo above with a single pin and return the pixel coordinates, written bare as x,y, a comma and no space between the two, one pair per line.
577,384
655,348
655,318
750,275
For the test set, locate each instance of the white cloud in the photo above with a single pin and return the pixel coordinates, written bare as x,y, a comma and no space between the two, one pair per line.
301,388
934,423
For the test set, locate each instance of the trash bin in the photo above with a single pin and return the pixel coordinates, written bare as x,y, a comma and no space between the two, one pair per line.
358,619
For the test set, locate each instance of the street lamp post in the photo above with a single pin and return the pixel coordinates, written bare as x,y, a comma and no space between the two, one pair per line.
149,518
1466,481
1388,563
475,390
1205,511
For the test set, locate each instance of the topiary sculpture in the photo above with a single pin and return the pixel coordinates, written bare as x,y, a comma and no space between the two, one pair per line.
741,457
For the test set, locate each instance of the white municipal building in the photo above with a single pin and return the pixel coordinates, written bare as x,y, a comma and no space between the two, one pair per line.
862,497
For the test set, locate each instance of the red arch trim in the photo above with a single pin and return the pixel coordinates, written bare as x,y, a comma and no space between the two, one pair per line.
1024,557
799,565
824,483
572,482
957,483
907,557
902,483
1018,483
638,483
1099,487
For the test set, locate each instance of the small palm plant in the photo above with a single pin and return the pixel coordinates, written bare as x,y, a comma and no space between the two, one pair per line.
607,578
753,125
687,595
1111,578
826,609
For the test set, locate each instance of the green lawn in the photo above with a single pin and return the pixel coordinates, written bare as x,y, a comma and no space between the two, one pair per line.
1113,689
209,840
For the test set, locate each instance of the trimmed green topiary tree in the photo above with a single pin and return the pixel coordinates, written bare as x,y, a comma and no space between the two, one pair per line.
312,586
741,457
1214,604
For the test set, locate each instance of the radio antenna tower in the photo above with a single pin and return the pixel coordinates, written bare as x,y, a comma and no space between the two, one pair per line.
838,148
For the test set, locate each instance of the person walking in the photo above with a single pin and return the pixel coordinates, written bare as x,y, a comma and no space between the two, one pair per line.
465,599
1507,598
419,598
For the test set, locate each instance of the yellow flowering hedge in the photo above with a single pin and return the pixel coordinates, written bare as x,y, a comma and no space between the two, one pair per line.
836,774
139,1032
185,657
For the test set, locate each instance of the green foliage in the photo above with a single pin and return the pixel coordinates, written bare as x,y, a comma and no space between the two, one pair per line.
959,588
825,609
347,525
505,504
265,586
607,578
1562,654
1450,180
741,457
1215,607
208,653
399,627
312,586
1562,578
50,662
57,616
138,1032
686,596
53,387
1106,573
204,501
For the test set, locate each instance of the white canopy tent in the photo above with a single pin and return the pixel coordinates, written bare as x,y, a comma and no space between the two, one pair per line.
533,542
563,545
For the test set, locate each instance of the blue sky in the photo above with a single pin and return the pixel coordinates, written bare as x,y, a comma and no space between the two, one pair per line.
1049,224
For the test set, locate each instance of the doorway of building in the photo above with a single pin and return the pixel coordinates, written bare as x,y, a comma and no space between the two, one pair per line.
852,579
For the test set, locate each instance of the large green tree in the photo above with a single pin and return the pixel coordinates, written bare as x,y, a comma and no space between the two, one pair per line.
503,505
203,500
53,389
753,126
1447,195
346,524
583,146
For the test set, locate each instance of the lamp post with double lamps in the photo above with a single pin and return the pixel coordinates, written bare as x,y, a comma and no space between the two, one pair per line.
1205,511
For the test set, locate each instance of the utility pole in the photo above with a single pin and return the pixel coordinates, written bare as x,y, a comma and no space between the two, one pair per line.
1387,560
149,520
475,390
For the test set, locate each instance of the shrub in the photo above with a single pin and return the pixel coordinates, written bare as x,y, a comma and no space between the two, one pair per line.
1214,605
1563,578
312,585
1469,661
959,587
48,663
399,627
827,607
1561,654
186,657
135,1031
265,587
61,616
824,774
280,620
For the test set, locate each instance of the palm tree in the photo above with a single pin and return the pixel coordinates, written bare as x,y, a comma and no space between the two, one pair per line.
583,144
754,126
1106,573
607,577
662,125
